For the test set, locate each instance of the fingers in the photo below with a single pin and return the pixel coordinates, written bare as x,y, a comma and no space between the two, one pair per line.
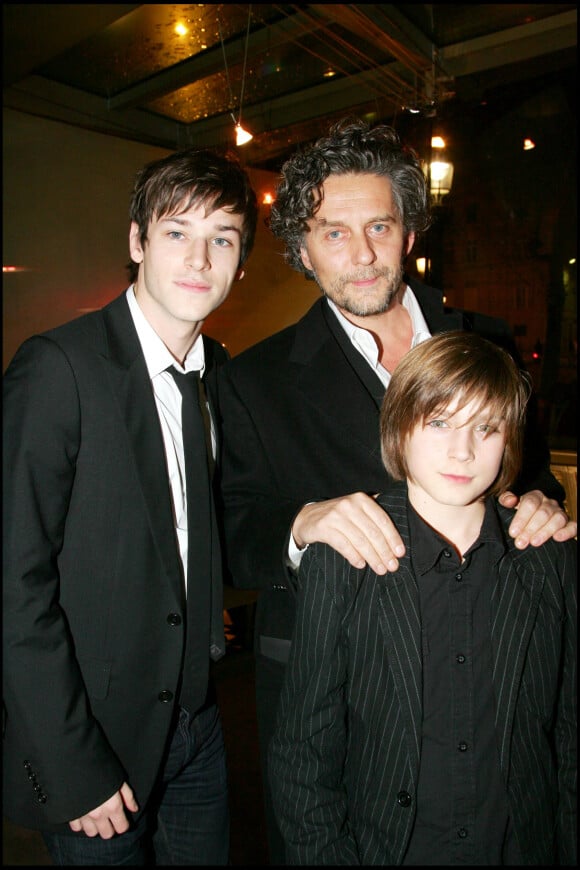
538,519
129,798
354,525
109,818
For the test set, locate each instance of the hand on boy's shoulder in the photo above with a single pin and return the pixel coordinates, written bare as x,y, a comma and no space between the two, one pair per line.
537,519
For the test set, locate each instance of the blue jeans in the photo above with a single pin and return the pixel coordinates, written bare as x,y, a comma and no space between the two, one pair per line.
188,821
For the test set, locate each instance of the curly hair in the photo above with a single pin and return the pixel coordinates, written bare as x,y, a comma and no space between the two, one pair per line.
352,146
189,177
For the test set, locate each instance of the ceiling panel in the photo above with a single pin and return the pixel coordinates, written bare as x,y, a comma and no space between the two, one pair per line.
173,74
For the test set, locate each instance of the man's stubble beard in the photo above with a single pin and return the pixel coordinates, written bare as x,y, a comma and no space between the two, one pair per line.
361,304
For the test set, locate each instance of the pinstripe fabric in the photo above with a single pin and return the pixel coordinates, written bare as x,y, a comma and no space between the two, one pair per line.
347,746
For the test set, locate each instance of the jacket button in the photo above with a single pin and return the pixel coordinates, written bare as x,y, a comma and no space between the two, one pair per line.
165,696
41,798
174,619
462,746
404,799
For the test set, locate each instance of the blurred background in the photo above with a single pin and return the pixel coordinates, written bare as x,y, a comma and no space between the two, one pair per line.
93,91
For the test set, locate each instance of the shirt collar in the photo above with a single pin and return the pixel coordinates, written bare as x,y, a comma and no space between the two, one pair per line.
428,545
157,356
364,341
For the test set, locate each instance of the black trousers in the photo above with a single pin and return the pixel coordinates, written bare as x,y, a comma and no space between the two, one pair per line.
269,678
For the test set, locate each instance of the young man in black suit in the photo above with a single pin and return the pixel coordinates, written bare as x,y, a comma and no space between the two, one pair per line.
113,746
428,716
301,457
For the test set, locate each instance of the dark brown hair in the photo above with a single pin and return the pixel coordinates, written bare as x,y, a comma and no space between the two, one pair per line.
352,146
193,176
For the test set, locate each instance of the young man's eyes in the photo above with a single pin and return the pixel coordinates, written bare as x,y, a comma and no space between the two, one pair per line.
219,242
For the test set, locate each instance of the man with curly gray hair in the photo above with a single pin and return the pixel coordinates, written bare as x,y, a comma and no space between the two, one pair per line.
302,457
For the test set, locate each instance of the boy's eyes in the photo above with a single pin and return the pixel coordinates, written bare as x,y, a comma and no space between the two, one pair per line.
484,428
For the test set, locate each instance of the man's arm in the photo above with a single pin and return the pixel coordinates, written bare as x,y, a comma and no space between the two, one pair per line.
47,709
257,516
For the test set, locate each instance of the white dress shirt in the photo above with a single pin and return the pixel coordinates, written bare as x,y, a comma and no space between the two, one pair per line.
168,401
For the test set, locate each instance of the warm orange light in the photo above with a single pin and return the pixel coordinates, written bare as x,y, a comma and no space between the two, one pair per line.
268,198
242,136
529,144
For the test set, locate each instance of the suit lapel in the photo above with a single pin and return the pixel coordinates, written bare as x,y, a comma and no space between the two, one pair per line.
325,376
438,318
399,617
131,386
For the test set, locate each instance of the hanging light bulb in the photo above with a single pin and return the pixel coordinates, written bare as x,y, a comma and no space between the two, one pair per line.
242,136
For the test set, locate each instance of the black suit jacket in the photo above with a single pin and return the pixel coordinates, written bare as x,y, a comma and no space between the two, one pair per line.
301,423
94,606
344,762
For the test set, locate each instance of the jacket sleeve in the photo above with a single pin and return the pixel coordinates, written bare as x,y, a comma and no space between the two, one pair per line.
257,516
566,727
46,705
308,749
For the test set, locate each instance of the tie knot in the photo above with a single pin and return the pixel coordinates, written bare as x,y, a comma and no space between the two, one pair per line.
186,382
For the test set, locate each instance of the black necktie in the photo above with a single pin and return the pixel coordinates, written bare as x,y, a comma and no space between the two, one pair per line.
197,483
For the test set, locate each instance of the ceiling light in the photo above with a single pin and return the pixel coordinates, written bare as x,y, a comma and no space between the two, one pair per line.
242,136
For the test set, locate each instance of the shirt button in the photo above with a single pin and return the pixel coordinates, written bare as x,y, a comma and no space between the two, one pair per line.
462,833
165,696
460,659
174,619
447,554
462,746
459,577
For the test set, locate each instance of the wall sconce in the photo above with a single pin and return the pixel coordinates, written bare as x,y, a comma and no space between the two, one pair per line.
439,171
